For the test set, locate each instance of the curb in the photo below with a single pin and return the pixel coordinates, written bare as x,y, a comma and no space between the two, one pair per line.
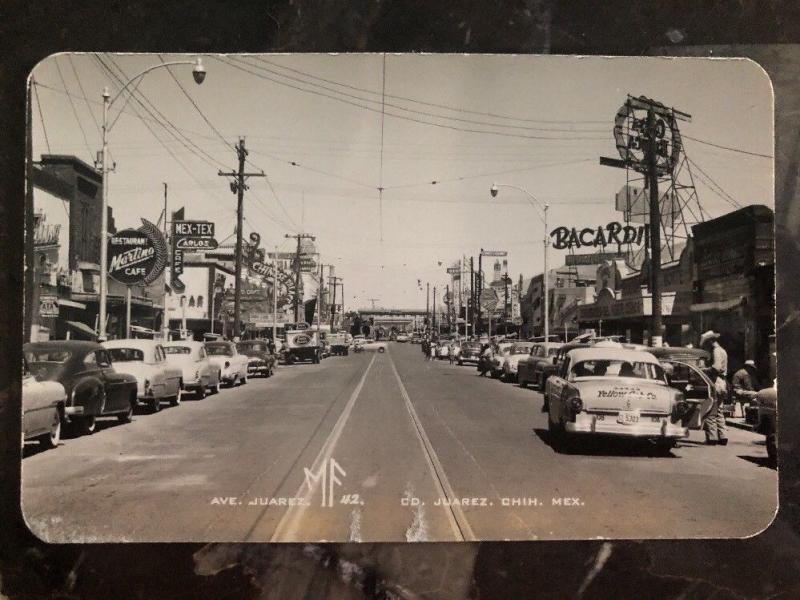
740,424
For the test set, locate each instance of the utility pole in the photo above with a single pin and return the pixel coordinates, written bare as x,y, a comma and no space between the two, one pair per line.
334,281
238,186
299,237
472,293
165,318
448,302
657,324
433,324
428,302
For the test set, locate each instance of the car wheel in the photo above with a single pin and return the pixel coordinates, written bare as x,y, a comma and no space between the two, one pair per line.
176,399
87,425
200,393
381,350
154,404
243,380
541,384
215,388
50,440
662,447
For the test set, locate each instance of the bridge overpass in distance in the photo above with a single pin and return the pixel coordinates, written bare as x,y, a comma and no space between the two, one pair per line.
402,318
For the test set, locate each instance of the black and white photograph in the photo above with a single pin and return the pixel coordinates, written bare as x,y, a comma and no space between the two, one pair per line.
380,297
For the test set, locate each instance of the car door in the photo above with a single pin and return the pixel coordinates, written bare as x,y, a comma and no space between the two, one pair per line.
203,367
697,389
171,376
555,386
113,382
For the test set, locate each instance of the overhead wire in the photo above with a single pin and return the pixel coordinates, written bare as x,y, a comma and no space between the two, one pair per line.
431,104
729,148
41,115
74,110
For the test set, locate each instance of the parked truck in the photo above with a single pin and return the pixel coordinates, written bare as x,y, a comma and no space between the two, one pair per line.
339,343
302,343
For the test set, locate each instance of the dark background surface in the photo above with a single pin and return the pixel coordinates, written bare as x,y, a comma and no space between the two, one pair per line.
767,565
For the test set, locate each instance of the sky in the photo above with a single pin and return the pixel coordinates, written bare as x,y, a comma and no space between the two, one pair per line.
354,123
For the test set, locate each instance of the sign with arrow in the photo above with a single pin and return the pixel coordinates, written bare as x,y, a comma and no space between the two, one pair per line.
489,299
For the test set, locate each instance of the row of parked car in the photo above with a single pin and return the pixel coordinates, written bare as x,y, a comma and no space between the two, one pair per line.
600,386
68,382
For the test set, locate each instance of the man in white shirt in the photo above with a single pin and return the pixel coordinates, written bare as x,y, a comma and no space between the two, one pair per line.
714,424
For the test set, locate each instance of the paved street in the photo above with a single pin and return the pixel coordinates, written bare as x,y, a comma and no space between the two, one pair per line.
410,450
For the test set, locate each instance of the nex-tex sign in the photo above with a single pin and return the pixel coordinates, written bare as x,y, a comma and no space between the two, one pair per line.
189,235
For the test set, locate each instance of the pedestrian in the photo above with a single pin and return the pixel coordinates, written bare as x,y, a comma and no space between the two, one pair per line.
425,347
714,424
451,353
484,360
745,384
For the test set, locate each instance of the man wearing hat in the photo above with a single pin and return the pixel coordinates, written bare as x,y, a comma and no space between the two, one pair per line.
745,383
714,424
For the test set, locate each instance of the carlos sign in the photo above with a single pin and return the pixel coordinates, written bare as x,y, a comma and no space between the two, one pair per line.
137,256
597,237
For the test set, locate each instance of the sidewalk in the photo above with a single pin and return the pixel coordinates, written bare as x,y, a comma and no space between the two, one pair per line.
739,423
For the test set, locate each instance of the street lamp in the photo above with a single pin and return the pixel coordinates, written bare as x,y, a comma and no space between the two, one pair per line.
541,211
199,74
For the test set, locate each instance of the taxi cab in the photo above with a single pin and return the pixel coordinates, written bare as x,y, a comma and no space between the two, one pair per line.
610,390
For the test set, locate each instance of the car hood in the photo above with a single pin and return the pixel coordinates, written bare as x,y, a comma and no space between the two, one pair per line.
604,393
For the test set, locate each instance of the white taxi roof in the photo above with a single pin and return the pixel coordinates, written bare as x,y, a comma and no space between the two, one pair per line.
611,353
186,343
137,344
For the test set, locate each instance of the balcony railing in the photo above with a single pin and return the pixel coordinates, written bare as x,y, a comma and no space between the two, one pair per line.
46,235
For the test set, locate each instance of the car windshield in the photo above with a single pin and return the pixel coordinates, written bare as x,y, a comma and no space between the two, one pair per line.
257,347
618,368
471,346
50,356
126,354
520,349
177,350
218,350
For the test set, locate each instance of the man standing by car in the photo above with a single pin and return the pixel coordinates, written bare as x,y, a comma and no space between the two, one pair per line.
745,384
714,424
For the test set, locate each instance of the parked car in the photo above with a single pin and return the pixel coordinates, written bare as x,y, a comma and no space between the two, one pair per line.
534,368
157,380
402,338
470,353
443,349
697,388
339,343
260,361
613,391
496,363
555,366
199,375
518,351
231,365
93,387
43,405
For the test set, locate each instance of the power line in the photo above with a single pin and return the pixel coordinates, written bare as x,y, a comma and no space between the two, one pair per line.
74,110
432,104
402,117
739,150
41,114
410,110
380,176
713,184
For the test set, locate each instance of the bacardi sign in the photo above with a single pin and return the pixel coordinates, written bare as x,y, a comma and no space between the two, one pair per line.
600,236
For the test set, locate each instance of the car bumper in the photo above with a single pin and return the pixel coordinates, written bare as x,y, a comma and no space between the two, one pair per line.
257,369
647,427
73,411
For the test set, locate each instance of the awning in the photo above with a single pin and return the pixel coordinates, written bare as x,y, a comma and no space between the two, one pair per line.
65,302
83,328
717,306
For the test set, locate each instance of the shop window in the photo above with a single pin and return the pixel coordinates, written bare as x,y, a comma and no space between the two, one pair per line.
191,301
199,302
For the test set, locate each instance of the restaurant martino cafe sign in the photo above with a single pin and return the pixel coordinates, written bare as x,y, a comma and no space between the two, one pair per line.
137,256
614,233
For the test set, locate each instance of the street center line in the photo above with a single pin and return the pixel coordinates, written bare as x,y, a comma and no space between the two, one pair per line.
455,515
290,522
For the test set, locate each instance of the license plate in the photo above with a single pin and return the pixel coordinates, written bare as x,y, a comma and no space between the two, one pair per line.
628,417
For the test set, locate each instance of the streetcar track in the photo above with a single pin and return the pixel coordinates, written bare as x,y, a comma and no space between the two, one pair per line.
455,515
290,521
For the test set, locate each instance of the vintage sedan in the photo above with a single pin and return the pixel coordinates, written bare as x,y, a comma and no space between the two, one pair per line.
501,351
156,379
402,337
231,364
42,410
612,391
374,346
92,386
531,369
470,353
518,351
199,375
260,361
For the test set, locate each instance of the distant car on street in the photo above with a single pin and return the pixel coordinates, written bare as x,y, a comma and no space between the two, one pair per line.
613,391
260,361
402,338
374,346
93,387
231,364
42,410
157,380
518,351
199,376
470,353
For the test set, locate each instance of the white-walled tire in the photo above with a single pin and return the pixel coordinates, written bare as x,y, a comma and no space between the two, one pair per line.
176,399
50,440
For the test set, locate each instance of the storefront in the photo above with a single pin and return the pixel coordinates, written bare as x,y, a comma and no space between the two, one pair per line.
735,284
